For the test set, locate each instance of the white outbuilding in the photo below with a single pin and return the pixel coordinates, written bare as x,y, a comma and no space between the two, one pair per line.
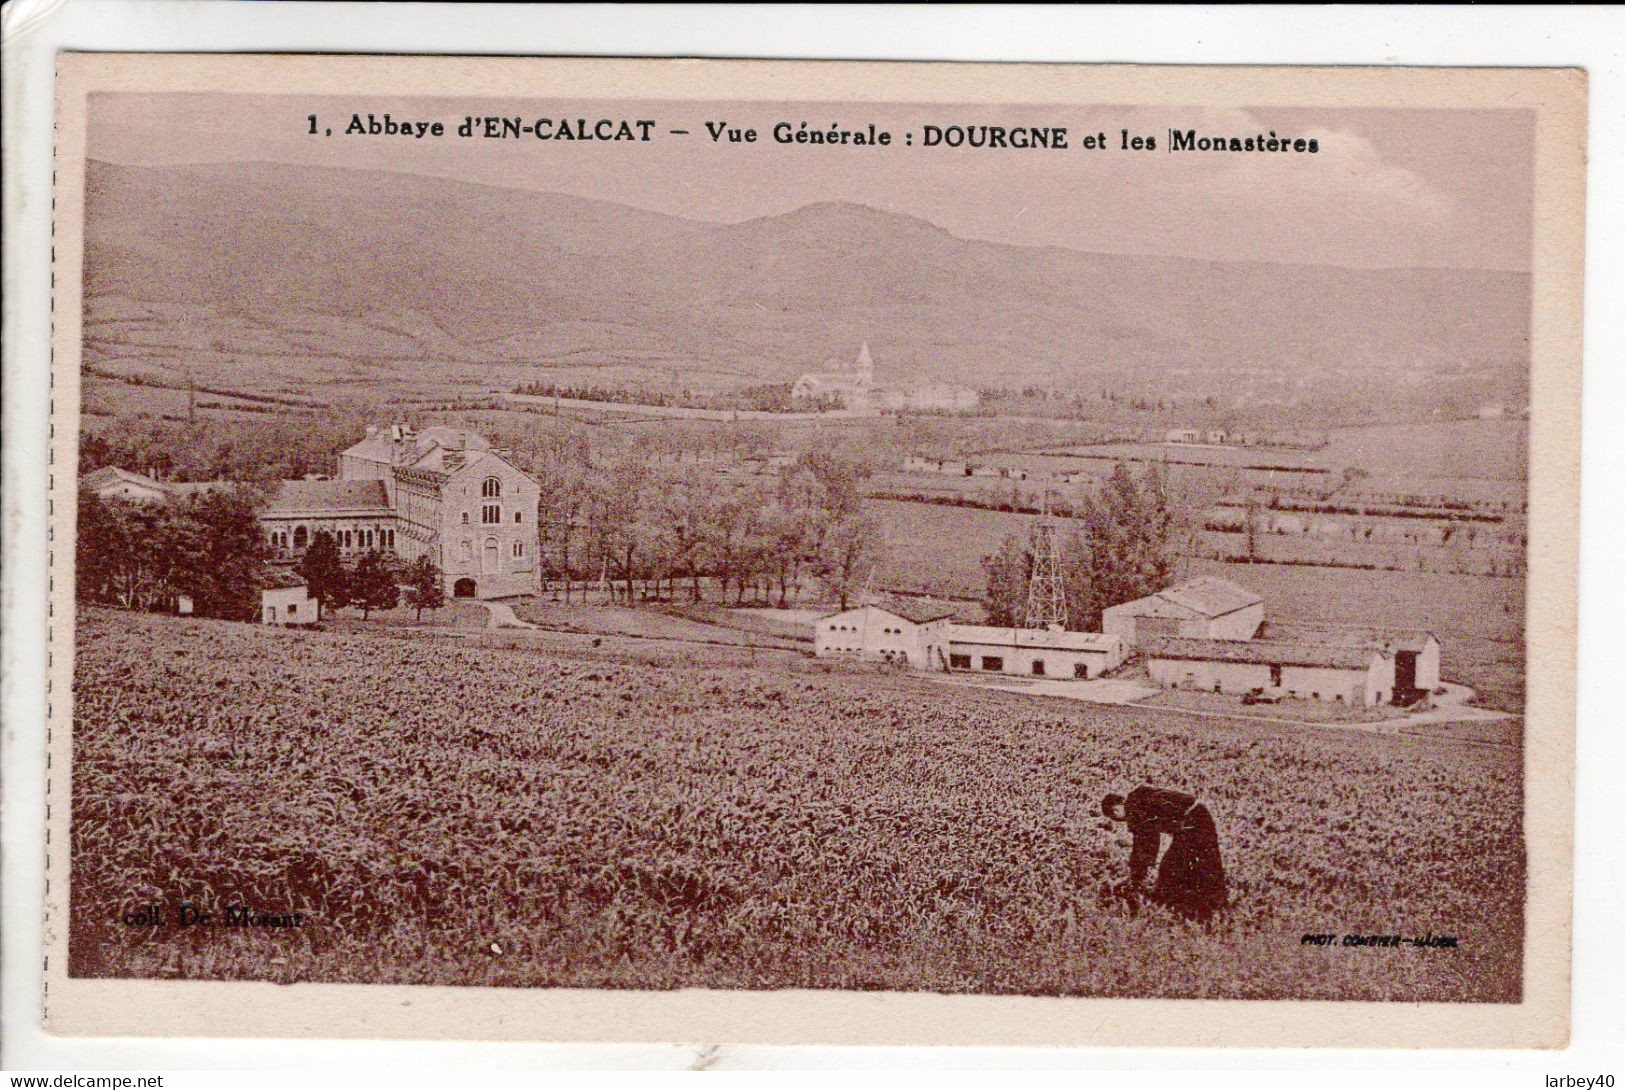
1203,608
286,600
1416,652
1348,675
909,633
111,482
1033,652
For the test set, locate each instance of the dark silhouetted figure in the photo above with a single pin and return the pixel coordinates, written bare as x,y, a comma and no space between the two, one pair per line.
1190,878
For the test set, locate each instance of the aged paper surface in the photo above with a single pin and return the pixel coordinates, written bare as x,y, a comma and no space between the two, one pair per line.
823,484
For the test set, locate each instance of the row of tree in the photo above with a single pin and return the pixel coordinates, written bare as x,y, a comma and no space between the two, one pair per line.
217,449
375,582
1120,547
633,519
765,397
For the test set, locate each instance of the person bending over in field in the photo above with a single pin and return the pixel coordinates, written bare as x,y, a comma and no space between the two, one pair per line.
1190,878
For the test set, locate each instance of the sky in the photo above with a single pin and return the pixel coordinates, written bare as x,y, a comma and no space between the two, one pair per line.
1389,188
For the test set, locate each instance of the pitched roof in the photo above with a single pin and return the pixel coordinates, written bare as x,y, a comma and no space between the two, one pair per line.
376,448
98,479
329,498
381,447
914,611
918,610
433,457
283,579
1262,652
1209,595
453,438
1153,605
1033,637
1335,635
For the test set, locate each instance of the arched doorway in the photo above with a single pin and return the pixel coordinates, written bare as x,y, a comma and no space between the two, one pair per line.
463,588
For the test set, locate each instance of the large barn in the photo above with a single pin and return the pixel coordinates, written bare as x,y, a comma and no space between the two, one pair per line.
1033,652
1210,634
1203,608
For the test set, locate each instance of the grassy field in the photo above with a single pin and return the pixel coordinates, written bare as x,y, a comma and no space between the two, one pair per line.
647,623
1495,449
1489,449
455,814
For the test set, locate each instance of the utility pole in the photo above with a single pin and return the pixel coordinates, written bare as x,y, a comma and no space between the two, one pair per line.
1046,594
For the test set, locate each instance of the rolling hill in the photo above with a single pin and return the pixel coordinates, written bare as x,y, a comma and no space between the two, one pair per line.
276,275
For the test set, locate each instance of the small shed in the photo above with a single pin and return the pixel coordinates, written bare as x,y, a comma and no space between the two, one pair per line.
285,600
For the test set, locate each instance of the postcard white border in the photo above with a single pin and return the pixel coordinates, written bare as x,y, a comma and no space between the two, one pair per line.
1363,35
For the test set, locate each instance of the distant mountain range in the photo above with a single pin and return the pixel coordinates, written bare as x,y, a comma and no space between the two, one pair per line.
301,273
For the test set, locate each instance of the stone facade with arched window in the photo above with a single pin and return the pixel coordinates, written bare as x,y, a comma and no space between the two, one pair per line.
475,513
443,493
356,513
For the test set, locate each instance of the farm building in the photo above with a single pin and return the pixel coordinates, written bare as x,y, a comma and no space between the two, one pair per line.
1416,653
1351,675
914,633
1033,652
111,482
286,600
1203,608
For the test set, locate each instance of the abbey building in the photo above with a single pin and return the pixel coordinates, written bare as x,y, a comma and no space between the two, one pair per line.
442,492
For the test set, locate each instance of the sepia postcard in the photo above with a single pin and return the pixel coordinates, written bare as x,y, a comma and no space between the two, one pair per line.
813,552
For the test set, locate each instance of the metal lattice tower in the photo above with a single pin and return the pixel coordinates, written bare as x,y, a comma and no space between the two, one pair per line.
1046,596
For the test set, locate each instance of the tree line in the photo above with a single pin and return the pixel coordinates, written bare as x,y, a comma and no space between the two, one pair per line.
376,581
773,397
207,547
213,449
630,519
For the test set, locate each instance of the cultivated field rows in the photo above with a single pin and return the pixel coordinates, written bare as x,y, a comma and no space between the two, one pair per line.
455,814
